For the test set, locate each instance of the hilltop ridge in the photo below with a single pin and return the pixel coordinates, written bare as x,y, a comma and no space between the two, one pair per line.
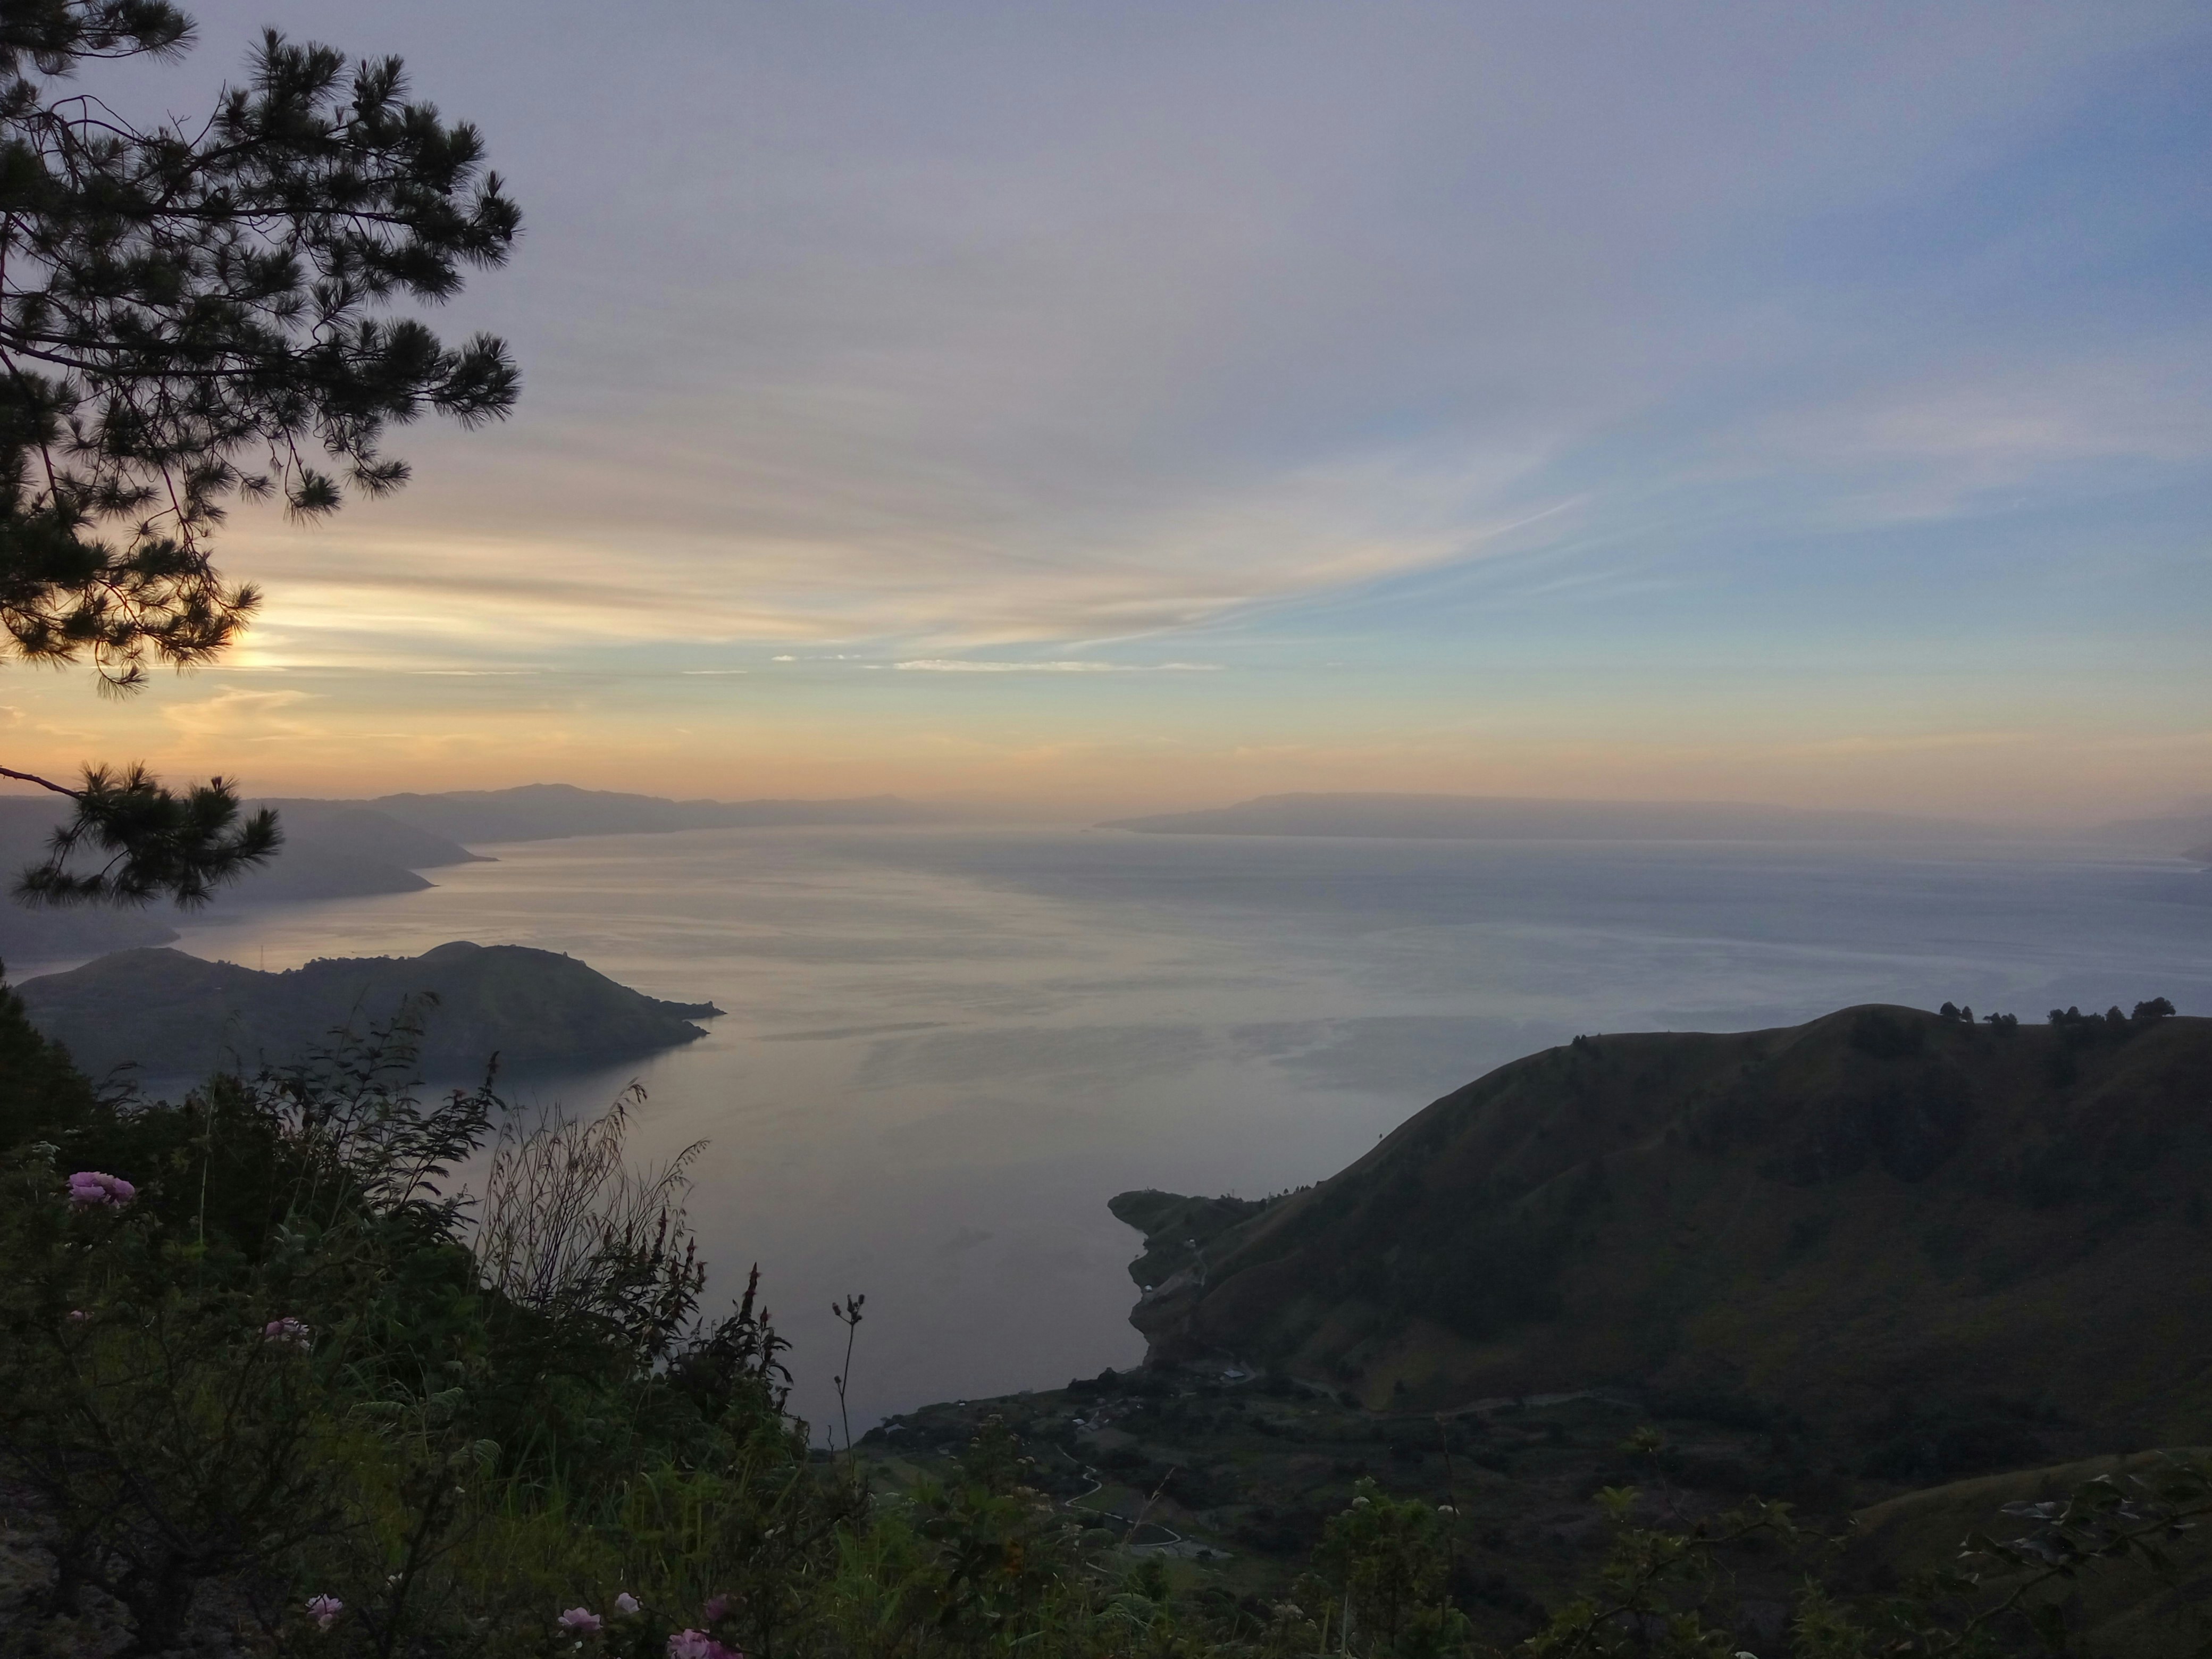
1883,1205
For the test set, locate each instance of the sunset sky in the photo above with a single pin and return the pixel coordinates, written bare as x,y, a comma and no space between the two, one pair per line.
1130,405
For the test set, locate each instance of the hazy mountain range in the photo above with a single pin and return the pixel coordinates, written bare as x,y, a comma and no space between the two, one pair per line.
332,850
352,848
1477,818
550,812
2186,830
381,844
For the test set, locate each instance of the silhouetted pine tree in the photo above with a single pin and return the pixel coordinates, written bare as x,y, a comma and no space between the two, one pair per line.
193,315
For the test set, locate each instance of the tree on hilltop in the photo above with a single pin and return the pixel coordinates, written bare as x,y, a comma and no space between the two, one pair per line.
193,317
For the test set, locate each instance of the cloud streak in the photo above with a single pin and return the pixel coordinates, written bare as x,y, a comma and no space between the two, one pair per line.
972,665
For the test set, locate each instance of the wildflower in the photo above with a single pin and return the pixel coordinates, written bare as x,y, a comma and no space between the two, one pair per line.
717,1609
78,1315
287,1329
626,1604
578,1621
88,1189
697,1644
324,1610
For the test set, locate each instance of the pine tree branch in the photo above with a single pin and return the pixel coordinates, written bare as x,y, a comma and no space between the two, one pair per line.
43,783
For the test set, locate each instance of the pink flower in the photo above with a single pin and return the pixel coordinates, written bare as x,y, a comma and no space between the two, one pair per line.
90,1189
578,1621
287,1329
626,1604
78,1315
717,1609
697,1644
324,1610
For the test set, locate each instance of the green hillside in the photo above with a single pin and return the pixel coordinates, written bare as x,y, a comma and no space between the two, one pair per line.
1962,1246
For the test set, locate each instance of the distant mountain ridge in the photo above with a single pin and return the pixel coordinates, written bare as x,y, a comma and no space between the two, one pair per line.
1879,1215
2180,833
336,848
552,812
2189,827
332,850
1486,817
177,1016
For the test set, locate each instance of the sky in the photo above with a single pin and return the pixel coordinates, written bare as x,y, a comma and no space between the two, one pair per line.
1109,407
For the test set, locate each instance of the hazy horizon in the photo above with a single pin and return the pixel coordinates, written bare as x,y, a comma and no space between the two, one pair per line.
1104,810
1107,813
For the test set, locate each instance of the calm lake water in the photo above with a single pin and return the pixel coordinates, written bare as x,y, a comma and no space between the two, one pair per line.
946,1049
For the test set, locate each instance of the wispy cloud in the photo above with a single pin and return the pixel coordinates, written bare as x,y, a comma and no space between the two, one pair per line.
1366,304
979,666
234,713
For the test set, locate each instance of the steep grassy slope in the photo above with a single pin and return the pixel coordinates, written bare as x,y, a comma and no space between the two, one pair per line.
177,1016
1945,1233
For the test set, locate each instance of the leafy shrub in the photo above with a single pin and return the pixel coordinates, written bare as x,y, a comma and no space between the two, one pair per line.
285,1367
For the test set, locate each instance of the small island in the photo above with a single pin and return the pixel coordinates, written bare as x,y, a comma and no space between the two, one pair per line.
175,1015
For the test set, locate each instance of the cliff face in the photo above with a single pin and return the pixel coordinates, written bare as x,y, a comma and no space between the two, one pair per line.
176,1016
1881,1211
